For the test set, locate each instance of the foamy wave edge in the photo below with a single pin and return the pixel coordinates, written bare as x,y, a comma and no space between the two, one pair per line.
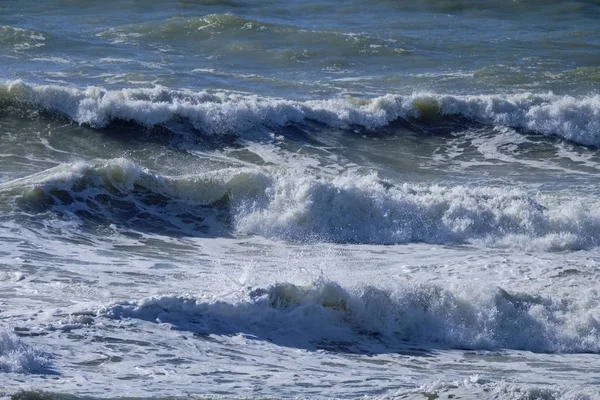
351,208
573,118
18,357
327,315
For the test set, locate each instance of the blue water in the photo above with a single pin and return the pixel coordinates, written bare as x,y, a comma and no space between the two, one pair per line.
310,199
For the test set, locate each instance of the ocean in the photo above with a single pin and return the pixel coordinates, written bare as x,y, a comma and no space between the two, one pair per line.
312,200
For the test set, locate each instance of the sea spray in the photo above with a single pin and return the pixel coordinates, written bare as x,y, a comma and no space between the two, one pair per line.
216,112
303,207
393,319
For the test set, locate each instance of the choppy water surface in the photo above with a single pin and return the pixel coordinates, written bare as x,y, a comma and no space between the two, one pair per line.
313,200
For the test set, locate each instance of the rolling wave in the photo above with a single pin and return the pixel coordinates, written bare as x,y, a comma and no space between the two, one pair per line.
119,192
223,34
20,39
326,315
298,206
575,119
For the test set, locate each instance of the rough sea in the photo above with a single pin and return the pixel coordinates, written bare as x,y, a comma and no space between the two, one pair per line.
361,199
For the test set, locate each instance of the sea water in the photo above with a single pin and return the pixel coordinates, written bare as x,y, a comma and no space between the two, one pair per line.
359,199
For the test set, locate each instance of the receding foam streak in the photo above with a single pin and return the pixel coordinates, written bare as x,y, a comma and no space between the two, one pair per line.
299,206
368,316
573,118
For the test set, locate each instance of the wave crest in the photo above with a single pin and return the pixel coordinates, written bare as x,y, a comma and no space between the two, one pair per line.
355,209
21,39
573,118
224,34
299,206
370,317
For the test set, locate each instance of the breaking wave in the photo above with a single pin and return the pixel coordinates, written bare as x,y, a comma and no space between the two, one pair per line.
299,206
572,118
326,315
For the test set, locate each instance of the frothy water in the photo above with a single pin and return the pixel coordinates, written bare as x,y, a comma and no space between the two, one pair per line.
218,199
370,319
305,208
571,118
18,358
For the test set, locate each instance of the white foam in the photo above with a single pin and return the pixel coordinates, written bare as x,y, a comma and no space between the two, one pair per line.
123,174
573,118
368,316
352,208
18,357
365,209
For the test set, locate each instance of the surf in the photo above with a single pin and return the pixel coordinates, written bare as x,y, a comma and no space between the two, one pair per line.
299,206
371,319
575,119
